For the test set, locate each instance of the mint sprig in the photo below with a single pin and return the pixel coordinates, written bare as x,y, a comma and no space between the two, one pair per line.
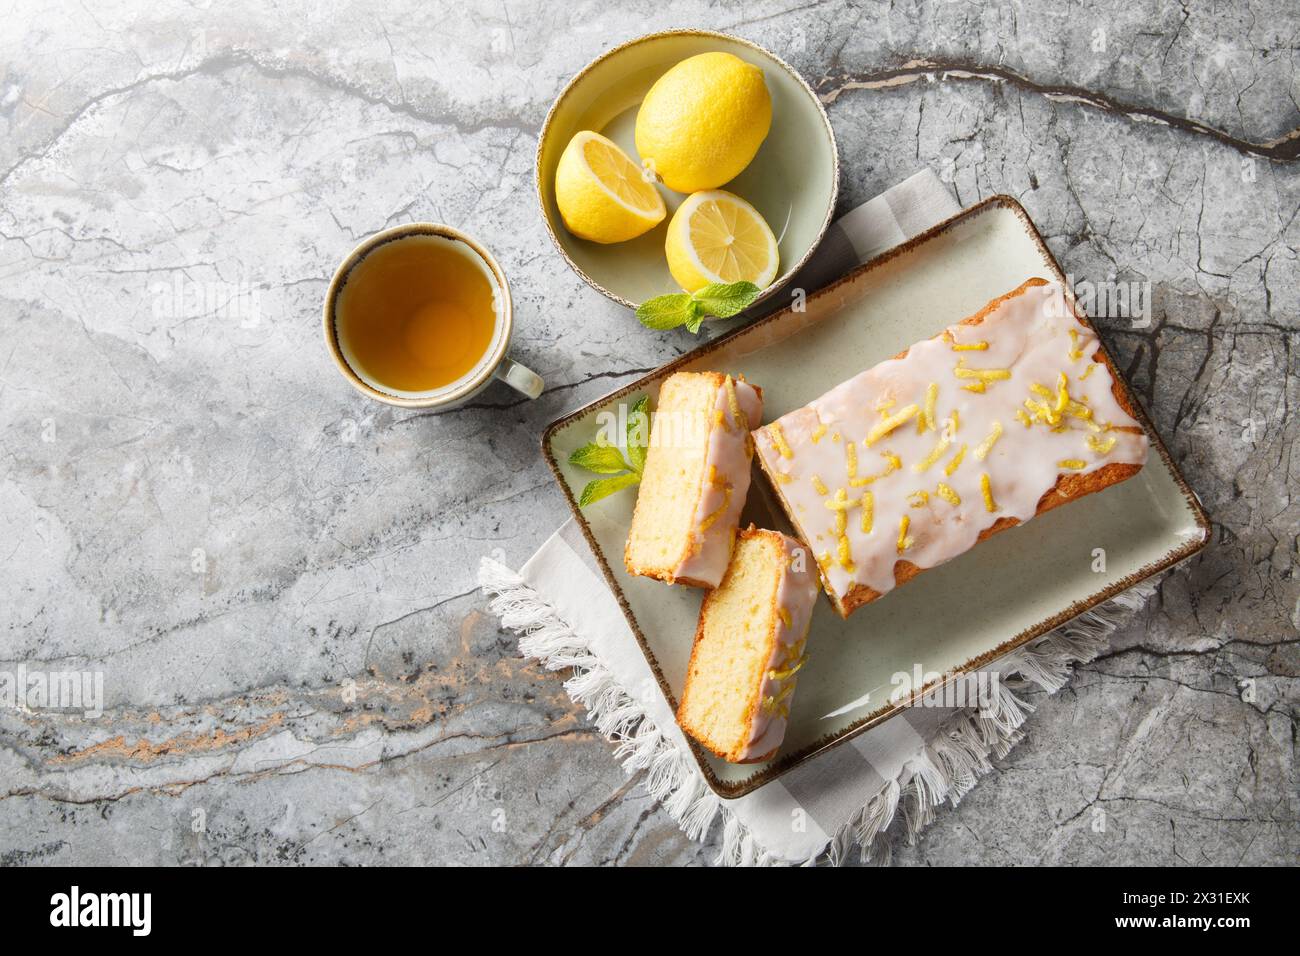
606,459
717,300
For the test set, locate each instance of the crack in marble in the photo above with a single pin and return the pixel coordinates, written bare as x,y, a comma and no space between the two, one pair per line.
233,60
830,87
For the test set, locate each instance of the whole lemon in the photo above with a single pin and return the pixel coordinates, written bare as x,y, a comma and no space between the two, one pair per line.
703,121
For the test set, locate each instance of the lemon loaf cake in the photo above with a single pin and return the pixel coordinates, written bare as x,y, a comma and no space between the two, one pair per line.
749,647
1007,414
695,479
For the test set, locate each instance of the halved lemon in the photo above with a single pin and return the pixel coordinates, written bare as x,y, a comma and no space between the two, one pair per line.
715,236
602,194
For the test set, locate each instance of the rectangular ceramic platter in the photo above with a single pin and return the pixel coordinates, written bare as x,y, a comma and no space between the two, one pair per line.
961,615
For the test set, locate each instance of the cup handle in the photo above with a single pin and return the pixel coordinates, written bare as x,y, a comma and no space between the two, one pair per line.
520,378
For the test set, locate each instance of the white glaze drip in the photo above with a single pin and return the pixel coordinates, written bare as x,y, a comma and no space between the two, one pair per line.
717,512
796,594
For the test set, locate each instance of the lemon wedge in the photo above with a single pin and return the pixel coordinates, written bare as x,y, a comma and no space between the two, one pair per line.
602,194
716,236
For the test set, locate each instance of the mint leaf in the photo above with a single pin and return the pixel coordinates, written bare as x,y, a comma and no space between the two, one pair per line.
602,459
725,300
603,487
719,300
638,433
667,311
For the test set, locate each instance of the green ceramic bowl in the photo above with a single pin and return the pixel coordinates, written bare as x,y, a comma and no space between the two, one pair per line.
793,181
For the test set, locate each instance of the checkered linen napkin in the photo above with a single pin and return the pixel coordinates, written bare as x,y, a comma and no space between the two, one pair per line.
567,618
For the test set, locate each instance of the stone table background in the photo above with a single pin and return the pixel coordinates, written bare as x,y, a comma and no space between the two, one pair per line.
276,577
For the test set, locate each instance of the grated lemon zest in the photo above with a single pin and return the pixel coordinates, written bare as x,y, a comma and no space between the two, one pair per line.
983,374
1062,393
983,448
904,540
1075,352
1099,445
926,421
889,423
934,455
892,464
788,672
726,500
839,502
778,440
737,413
987,491
780,703
845,558
955,461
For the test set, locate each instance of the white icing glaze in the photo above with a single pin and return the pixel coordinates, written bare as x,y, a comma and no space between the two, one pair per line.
796,594
1029,336
717,513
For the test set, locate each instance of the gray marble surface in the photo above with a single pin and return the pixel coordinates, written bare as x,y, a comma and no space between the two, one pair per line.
275,577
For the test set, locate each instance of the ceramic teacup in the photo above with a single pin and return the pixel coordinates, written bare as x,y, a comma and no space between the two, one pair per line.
492,363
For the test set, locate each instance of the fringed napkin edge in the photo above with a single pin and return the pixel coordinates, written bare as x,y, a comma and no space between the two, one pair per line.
947,767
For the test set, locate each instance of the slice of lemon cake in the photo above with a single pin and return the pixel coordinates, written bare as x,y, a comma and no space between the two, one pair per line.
695,479
1011,412
748,648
